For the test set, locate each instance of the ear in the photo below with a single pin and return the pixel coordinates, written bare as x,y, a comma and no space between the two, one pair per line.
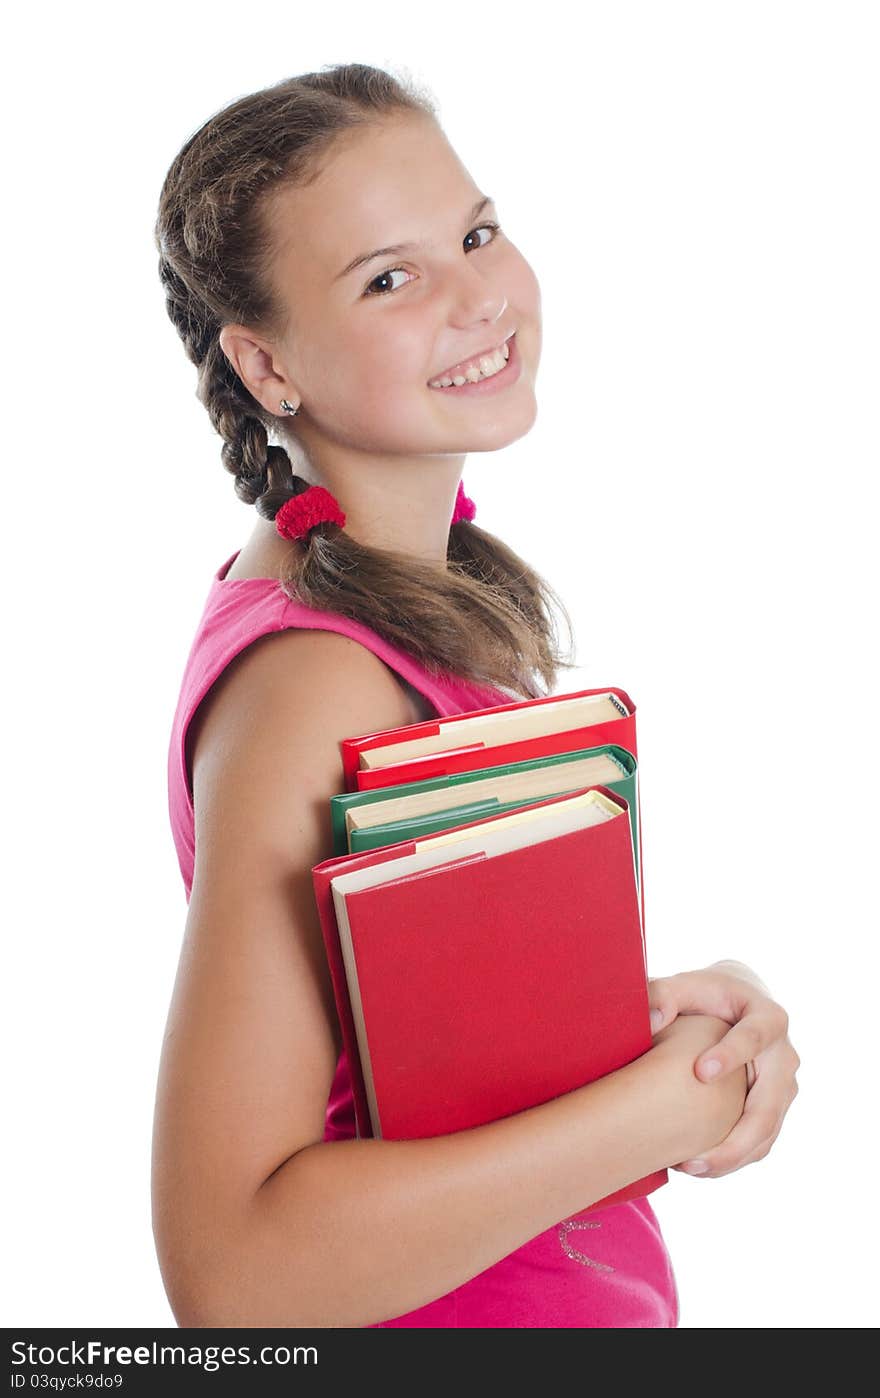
257,366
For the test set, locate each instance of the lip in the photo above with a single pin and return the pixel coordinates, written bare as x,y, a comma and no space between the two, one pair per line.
498,382
457,368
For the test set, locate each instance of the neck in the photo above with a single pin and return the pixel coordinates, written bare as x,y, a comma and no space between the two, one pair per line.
404,506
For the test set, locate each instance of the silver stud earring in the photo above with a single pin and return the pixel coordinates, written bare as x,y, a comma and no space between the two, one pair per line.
288,407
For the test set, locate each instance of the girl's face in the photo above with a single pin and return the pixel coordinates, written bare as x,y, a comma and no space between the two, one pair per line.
361,345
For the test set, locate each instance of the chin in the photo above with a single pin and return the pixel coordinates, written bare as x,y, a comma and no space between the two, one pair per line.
506,428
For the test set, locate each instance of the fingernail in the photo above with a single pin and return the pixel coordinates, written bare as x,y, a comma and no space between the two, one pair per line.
711,1068
656,1019
695,1167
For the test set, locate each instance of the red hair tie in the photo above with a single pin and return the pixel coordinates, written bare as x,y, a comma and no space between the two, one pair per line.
299,515
302,512
464,508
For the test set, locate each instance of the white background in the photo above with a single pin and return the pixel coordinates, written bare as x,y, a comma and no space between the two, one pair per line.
696,188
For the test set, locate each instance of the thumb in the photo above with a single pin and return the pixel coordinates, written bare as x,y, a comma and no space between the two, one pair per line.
661,1001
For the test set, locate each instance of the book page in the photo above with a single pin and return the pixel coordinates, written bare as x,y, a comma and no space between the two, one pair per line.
492,730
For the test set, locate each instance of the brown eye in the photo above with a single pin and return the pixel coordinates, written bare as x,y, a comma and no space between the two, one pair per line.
384,276
493,226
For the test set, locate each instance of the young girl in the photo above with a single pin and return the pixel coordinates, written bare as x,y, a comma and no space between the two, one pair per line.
340,281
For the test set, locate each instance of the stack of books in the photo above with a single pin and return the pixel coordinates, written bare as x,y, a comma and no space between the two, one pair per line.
483,913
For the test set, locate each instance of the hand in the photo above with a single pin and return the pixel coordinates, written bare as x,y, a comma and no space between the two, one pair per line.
696,1116
758,1039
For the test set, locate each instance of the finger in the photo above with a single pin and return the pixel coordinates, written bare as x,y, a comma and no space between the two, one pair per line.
701,992
759,1124
716,1169
726,995
662,1002
744,1041
739,968
707,992
761,1121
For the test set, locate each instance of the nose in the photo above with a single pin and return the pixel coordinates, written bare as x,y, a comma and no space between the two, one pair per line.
475,298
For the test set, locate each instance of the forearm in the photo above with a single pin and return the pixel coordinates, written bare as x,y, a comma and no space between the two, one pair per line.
352,1232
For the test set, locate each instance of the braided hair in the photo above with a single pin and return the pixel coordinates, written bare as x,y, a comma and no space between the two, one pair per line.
488,618
263,473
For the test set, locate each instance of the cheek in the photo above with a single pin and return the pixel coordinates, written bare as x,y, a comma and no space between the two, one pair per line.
370,395
525,300
386,367
525,291
347,375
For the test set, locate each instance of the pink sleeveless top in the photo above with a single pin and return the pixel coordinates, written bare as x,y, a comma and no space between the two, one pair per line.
609,1268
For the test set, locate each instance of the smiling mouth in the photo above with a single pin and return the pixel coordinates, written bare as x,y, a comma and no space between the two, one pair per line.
477,367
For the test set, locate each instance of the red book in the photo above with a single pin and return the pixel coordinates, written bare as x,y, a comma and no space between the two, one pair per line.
489,982
464,755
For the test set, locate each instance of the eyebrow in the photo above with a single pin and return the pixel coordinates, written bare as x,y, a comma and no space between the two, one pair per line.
403,247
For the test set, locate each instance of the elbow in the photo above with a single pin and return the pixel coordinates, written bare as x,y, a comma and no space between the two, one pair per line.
200,1298
188,1285
215,1306
227,1267
228,1286
195,1261
189,1311
199,1287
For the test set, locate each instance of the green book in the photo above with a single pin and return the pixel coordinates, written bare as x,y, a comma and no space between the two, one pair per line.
365,820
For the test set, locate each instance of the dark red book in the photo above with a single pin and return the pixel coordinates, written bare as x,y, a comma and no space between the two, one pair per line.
490,974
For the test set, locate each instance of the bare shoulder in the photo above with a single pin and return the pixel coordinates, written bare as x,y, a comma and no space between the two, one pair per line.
252,1039
285,703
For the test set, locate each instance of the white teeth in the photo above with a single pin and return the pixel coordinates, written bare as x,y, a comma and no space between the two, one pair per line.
485,367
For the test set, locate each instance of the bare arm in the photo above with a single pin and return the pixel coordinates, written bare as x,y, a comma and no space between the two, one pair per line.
257,1220
352,1232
